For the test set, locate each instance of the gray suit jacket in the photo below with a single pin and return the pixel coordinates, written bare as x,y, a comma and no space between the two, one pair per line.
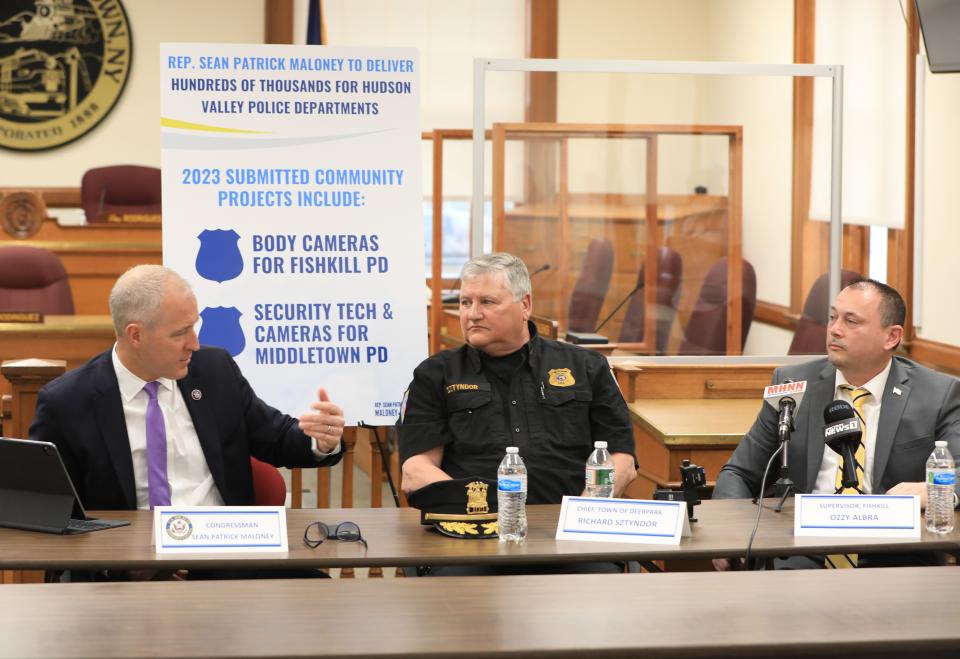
927,408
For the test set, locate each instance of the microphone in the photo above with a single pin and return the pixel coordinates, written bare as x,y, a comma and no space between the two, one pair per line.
542,268
842,432
103,193
785,398
617,308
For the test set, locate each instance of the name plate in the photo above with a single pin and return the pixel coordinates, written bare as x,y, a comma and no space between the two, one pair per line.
21,317
623,520
857,516
220,529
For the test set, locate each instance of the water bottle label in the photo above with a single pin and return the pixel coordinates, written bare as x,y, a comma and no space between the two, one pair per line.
510,485
600,476
943,477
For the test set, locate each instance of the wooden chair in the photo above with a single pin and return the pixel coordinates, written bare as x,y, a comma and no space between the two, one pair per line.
33,279
669,276
352,436
810,338
591,287
706,330
120,190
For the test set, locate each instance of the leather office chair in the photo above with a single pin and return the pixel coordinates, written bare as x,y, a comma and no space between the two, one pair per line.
33,279
669,276
591,287
706,331
121,190
269,489
811,335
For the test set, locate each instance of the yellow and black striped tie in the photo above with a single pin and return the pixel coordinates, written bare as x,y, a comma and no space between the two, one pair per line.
859,396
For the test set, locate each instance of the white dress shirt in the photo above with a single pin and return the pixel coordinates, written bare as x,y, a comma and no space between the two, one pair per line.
827,476
191,483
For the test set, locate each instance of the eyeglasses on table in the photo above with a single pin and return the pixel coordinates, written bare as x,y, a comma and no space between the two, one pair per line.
317,532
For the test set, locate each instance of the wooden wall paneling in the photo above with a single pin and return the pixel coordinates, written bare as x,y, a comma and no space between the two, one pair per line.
566,286
296,488
654,465
74,339
735,246
436,263
26,378
498,184
776,315
53,197
651,244
937,355
278,26
856,248
903,279
639,380
805,238
540,176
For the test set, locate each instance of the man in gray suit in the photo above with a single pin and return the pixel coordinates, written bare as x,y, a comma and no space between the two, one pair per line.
906,409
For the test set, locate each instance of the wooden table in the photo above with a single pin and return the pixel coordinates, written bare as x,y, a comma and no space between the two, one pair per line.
396,538
74,339
670,430
849,613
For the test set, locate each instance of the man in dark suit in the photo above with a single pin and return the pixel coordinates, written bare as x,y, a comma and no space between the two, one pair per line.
905,406
212,422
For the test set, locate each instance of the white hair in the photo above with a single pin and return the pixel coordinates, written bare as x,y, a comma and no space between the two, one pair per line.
138,294
515,273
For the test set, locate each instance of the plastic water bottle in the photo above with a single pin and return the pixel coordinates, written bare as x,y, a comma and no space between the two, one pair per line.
600,472
512,497
941,475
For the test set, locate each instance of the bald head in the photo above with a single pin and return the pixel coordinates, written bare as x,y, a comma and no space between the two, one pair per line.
138,295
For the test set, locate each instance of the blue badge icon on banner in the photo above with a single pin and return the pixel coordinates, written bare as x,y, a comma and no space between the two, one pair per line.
221,327
219,257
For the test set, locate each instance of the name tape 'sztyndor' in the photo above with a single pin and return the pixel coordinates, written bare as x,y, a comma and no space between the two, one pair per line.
598,519
862,516
219,529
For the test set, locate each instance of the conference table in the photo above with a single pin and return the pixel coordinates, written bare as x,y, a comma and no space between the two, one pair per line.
849,613
395,538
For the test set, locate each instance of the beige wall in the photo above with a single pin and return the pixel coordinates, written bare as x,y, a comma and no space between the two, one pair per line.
449,35
728,30
939,319
131,132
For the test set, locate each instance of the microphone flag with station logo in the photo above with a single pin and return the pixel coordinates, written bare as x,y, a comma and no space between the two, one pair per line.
842,432
785,398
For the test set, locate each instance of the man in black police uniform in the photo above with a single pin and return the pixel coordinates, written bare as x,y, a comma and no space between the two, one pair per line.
510,387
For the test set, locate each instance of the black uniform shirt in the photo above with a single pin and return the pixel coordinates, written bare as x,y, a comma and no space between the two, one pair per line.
552,400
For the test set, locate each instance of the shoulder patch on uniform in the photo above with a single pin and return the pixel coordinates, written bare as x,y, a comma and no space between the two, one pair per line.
453,388
561,377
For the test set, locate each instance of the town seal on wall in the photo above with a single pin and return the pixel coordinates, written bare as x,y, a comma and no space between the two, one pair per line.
63,65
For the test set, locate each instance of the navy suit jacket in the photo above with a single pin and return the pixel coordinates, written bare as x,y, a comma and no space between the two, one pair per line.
918,407
82,413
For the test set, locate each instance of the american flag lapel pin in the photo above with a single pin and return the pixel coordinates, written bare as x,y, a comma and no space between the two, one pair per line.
897,392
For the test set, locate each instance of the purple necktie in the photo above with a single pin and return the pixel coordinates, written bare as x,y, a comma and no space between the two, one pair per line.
157,486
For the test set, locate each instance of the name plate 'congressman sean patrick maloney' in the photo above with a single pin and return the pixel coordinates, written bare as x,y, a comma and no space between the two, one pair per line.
220,529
